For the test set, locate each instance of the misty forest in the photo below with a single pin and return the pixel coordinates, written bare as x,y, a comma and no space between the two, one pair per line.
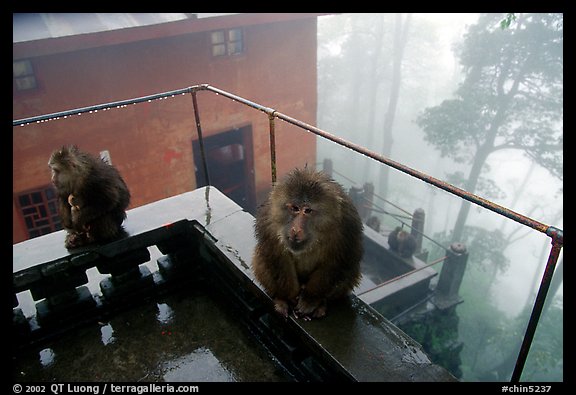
475,100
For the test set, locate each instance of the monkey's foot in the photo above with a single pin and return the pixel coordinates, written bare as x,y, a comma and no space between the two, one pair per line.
281,306
309,310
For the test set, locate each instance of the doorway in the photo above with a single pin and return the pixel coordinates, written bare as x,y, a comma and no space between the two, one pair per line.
230,162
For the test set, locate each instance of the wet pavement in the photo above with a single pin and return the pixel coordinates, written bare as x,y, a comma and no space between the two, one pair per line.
185,336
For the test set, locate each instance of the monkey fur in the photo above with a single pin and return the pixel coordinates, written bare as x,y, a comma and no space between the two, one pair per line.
92,197
309,244
402,242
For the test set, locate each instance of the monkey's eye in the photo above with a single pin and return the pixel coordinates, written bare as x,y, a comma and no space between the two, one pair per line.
307,210
293,208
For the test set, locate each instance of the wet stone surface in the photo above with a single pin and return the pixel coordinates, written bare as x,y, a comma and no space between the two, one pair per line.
186,336
189,335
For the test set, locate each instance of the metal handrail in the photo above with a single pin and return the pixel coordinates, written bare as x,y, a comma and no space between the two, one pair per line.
554,233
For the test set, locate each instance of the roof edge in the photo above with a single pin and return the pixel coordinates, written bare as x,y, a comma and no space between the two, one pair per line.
49,46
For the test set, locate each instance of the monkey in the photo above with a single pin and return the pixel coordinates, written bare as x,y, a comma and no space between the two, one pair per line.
402,242
309,244
92,197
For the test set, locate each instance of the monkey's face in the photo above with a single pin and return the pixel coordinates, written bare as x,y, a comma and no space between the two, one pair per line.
55,170
305,209
297,230
60,177
302,223
63,169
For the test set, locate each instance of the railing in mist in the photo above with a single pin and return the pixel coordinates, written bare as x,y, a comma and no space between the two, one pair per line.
555,234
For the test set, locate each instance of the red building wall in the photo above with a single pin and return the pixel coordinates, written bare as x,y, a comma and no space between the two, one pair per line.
151,143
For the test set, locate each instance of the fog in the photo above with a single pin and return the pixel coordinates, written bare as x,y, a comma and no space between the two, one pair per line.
379,73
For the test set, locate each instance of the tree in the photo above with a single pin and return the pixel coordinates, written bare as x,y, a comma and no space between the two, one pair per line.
505,23
402,27
511,98
372,82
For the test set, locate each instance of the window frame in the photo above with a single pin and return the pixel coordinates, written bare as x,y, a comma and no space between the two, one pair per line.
26,73
38,209
227,42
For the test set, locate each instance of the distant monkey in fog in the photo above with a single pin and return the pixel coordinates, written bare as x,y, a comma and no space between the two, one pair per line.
402,242
309,244
92,197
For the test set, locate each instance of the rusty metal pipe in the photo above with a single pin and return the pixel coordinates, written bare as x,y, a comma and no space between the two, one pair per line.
422,176
557,242
272,147
104,106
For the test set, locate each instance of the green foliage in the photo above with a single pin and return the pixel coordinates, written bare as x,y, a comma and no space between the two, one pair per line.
511,98
512,94
491,338
496,352
485,248
505,23
453,127
546,358
481,323
437,332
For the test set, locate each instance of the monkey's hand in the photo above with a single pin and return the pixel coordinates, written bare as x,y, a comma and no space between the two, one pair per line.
74,208
75,213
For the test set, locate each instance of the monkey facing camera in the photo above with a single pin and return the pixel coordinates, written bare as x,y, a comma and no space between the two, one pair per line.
92,197
309,244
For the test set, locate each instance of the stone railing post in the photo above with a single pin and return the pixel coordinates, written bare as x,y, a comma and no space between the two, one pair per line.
451,277
418,227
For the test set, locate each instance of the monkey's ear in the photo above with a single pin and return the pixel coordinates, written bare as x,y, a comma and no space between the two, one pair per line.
63,151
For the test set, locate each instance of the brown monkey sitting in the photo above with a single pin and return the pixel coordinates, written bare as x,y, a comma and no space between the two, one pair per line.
402,242
309,244
92,197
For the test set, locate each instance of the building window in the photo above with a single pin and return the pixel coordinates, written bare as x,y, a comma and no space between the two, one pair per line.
227,42
40,211
23,74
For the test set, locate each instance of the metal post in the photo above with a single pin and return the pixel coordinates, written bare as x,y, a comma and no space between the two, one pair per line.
200,139
272,147
557,241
